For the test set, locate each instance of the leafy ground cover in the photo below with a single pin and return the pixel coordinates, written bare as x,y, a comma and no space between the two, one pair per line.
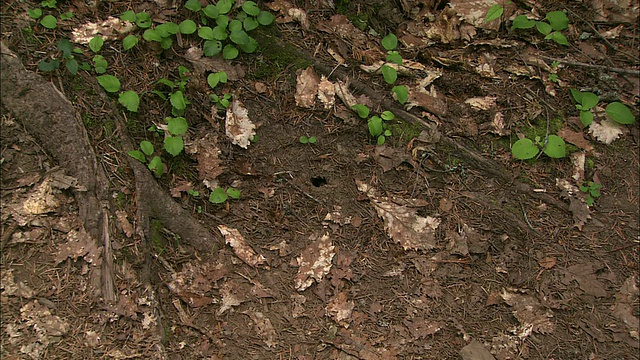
320,180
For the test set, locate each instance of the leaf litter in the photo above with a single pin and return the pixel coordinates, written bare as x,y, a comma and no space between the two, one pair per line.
239,127
402,223
315,261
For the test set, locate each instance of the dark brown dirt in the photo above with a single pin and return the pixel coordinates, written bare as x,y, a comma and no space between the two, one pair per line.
509,267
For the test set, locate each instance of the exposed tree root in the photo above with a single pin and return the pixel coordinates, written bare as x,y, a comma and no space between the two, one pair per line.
50,117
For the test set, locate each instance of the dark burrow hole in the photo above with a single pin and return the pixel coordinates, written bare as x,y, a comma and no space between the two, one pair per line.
318,181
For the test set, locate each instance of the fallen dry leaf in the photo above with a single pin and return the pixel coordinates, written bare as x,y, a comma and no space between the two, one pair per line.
326,93
232,295
264,328
306,88
124,224
239,127
240,247
584,275
577,205
79,244
605,131
529,312
315,261
575,138
547,262
109,29
402,223
624,308
339,309
287,13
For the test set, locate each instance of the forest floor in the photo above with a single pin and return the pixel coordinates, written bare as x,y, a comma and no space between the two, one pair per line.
437,244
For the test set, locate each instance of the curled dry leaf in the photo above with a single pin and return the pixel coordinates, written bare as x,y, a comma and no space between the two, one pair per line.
624,307
242,249
481,103
306,88
577,206
326,93
402,223
315,261
239,127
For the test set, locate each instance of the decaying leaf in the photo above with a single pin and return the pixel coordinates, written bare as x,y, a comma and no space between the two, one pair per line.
287,13
529,312
605,131
207,153
315,261
339,309
41,200
577,205
402,223
421,328
193,284
79,244
264,328
626,297
481,103
577,160
124,224
474,12
584,275
576,138
326,92
109,29
239,127
389,157
240,246
12,288
429,100
306,88
232,295
202,64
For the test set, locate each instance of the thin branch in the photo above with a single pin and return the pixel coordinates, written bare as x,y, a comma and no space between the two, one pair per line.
591,66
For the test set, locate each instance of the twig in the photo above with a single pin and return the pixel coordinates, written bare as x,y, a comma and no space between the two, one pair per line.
591,66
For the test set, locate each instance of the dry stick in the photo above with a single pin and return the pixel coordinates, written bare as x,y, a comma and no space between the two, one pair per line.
591,66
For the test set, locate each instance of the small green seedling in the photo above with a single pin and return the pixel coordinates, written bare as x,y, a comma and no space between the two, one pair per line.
142,19
222,102
109,82
194,193
556,22
49,22
173,142
220,195
66,16
377,125
390,74
176,94
145,156
525,149
35,13
65,47
52,4
307,140
130,100
224,34
592,189
401,93
586,102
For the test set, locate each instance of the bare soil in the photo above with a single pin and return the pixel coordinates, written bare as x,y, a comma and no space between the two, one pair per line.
100,260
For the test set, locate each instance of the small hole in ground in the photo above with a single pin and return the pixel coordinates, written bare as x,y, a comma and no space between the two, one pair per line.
318,181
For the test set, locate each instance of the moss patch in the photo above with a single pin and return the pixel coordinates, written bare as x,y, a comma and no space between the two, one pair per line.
278,55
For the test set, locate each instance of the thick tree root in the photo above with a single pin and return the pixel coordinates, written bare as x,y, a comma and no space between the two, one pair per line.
50,117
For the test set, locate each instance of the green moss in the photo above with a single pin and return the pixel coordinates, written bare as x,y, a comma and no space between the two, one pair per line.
540,127
120,200
88,120
406,130
278,55
589,164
